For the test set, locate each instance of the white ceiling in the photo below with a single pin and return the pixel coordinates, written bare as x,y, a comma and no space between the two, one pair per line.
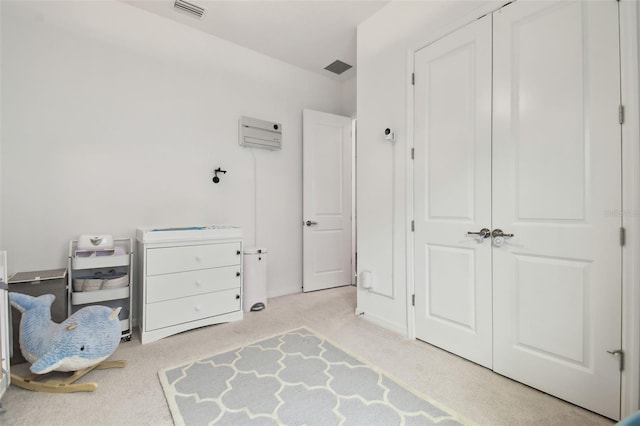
310,34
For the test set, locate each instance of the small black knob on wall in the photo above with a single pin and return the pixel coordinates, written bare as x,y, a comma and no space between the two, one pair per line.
237,274
216,179
237,296
238,252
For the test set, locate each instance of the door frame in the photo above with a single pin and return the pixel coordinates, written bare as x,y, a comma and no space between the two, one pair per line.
630,71
629,44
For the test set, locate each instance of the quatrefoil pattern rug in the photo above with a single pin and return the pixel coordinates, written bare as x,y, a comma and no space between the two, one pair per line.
297,378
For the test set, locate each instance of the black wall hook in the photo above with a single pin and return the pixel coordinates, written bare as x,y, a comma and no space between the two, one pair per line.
216,179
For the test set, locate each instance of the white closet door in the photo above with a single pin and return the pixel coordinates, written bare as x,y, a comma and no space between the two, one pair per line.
556,187
452,185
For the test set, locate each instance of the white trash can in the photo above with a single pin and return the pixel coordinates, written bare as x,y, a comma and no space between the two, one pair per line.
255,279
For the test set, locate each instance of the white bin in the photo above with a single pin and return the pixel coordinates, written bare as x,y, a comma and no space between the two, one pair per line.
255,279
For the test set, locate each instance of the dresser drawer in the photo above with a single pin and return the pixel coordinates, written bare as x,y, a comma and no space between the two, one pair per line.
186,309
188,258
183,284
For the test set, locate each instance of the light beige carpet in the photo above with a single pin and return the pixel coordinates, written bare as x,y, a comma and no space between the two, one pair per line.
133,395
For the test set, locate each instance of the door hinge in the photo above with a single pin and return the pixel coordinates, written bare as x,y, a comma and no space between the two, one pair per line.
413,226
413,78
620,354
413,300
413,153
621,114
623,236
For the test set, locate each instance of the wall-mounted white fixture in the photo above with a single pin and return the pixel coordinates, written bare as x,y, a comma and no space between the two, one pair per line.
256,133
389,135
366,279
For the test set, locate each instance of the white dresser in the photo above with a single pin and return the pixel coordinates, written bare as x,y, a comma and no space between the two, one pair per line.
189,277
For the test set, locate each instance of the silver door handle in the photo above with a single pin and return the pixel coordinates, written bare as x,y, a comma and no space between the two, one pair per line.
310,222
620,354
498,233
484,233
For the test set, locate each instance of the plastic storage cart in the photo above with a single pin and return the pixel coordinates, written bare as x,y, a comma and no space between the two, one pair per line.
255,279
102,277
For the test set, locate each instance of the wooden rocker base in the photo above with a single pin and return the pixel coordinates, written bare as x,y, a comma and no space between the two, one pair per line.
33,382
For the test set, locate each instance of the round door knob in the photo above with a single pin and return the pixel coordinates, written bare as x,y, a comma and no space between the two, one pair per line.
310,222
237,296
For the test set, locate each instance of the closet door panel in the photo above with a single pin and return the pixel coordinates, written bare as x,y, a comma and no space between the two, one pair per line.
548,115
556,174
452,192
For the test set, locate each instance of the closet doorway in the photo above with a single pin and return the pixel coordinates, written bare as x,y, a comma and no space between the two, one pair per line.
517,181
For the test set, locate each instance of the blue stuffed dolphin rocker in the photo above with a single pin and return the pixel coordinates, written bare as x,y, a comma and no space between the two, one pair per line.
83,340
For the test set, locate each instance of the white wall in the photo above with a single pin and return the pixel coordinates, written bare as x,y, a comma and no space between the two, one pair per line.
1,7
115,118
1,126
349,97
385,43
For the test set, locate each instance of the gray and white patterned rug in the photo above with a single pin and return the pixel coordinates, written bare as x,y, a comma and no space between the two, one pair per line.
297,378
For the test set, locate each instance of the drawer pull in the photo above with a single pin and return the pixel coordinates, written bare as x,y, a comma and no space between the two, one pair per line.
198,258
198,307
198,283
237,274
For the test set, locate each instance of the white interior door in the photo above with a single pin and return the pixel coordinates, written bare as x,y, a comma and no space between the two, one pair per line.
556,187
327,250
453,192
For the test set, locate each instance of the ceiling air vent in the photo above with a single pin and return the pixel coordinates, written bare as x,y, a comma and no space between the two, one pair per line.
189,8
337,67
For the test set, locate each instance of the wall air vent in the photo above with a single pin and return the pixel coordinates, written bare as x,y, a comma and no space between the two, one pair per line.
337,67
189,8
